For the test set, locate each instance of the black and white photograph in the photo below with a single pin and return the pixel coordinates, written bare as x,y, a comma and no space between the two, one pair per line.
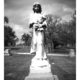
39,39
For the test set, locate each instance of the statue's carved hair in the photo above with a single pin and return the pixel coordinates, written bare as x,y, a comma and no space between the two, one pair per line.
39,6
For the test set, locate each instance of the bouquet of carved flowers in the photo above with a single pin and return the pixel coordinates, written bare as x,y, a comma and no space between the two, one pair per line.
39,24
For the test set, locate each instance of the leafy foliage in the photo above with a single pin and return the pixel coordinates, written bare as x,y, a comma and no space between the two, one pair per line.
9,34
6,20
58,33
27,39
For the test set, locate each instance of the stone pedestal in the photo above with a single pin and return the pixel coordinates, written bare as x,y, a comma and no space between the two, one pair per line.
41,76
40,66
40,70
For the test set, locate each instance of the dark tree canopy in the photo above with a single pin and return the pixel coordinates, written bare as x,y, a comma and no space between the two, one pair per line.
27,39
6,20
58,33
9,34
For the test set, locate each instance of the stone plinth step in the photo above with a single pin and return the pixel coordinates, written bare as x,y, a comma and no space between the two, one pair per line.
41,76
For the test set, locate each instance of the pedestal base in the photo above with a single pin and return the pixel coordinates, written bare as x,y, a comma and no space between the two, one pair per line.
40,70
41,76
40,66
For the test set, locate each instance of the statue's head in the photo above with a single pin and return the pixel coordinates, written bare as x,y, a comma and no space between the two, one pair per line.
37,8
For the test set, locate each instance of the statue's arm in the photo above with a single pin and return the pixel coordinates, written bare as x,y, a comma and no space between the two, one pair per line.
44,23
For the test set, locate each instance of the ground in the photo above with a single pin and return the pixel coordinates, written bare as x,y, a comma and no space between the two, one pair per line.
16,67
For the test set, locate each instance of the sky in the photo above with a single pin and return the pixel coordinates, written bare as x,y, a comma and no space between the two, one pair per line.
18,11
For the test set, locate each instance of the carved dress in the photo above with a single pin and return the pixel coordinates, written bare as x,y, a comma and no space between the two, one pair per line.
38,22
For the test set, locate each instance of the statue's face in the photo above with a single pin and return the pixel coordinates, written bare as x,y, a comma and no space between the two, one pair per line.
37,8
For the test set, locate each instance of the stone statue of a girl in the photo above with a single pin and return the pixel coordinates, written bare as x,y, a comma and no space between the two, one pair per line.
38,24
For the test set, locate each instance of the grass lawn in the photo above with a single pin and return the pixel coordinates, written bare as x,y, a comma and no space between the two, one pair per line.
17,67
26,49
